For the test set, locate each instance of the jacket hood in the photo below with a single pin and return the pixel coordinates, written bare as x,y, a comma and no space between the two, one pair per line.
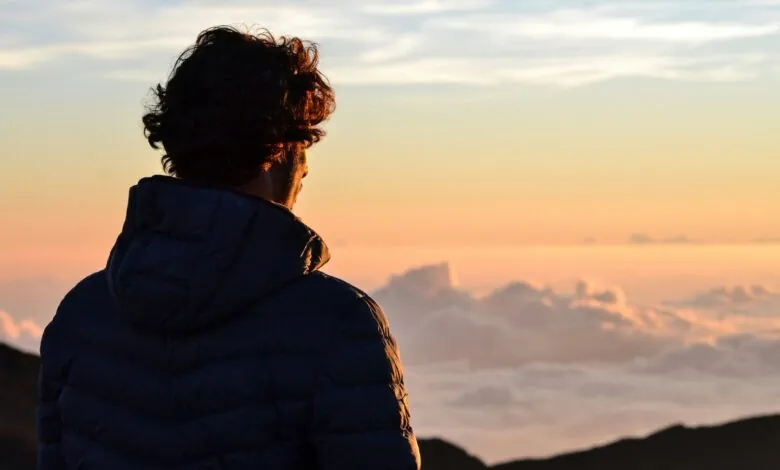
190,256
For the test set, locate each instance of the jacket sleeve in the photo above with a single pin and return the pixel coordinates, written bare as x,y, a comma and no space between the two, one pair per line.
361,418
50,381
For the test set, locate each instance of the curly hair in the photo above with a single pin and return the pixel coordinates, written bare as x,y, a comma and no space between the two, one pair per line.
236,103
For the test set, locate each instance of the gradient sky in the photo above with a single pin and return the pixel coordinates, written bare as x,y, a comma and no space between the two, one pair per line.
459,122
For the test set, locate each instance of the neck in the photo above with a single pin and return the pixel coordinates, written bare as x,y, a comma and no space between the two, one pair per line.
263,187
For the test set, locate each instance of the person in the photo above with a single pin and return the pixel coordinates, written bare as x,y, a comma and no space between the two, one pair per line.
212,339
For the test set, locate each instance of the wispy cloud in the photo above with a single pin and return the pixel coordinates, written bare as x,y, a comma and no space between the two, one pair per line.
580,25
571,71
645,239
424,7
402,46
467,42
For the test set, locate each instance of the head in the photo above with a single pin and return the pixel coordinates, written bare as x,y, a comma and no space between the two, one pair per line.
240,110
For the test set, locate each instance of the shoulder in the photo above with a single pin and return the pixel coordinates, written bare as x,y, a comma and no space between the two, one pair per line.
360,348
86,295
91,288
90,292
345,304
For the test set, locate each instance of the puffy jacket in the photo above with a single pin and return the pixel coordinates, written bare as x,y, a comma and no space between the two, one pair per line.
212,341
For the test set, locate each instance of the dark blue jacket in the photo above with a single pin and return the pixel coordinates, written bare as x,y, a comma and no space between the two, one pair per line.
212,341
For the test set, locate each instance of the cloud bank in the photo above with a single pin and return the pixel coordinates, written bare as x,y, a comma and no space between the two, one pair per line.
463,42
521,323
26,305
528,371
24,333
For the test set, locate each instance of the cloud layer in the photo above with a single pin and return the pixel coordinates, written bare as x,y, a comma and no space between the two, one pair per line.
24,333
529,371
520,323
26,305
468,42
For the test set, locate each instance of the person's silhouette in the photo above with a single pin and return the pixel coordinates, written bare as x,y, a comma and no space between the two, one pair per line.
212,340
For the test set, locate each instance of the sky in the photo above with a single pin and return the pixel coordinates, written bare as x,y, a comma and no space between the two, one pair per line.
610,164
458,122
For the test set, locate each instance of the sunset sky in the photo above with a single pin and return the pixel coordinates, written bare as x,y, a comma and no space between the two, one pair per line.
526,187
458,123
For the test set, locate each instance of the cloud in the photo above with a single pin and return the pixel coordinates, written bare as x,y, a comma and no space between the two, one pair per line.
131,30
33,303
645,239
487,396
23,333
522,323
399,47
527,371
583,25
570,71
428,42
743,356
753,308
423,7
732,297
768,240
28,57
544,408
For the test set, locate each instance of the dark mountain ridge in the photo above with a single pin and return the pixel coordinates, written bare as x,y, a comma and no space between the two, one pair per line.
18,392
750,444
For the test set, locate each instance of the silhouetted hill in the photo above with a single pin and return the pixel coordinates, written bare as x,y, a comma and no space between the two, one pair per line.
746,444
750,444
18,389
18,392
441,455
16,454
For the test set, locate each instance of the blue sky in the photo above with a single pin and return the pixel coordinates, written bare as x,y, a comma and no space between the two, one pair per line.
471,42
